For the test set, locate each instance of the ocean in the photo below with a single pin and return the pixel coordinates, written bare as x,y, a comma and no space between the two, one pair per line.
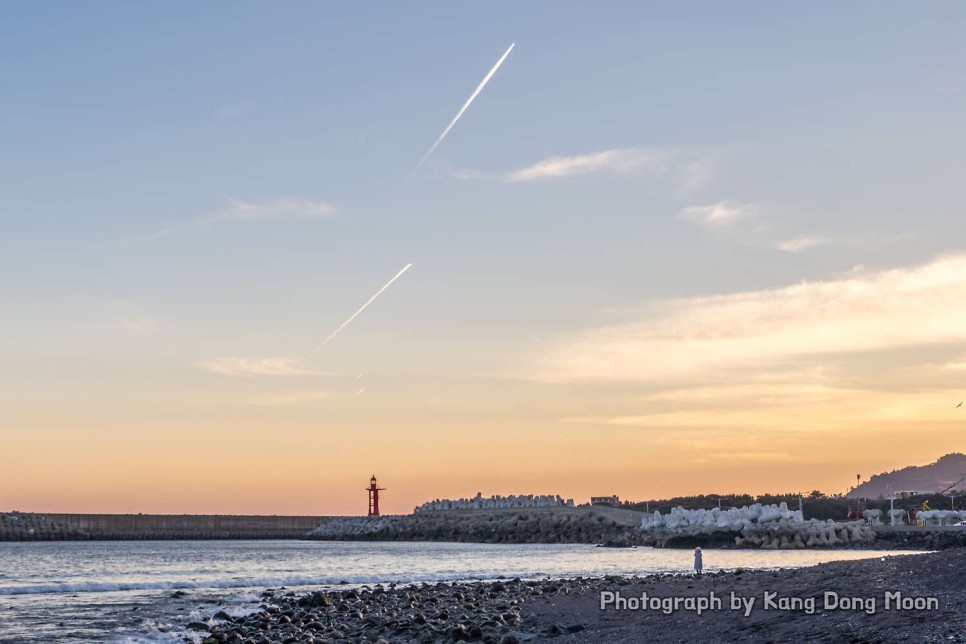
125,592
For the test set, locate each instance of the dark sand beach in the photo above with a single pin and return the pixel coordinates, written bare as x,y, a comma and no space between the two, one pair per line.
509,611
938,575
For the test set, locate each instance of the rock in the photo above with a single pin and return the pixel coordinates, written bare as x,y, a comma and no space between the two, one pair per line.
316,599
199,626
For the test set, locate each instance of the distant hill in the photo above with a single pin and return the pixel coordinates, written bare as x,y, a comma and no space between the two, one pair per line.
925,478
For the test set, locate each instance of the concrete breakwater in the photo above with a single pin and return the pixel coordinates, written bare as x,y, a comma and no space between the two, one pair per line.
530,525
617,527
921,537
21,526
596,524
25,526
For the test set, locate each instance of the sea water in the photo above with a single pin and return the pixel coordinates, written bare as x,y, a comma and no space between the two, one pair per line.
124,591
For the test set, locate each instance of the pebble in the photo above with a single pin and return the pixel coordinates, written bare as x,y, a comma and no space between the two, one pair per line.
442,612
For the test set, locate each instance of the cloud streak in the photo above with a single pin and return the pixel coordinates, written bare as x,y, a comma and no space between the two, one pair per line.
718,214
288,208
245,367
295,398
479,88
694,337
247,211
693,171
125,317
798,244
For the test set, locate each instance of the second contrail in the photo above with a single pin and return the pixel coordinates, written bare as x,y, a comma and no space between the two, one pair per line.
449,127
361,309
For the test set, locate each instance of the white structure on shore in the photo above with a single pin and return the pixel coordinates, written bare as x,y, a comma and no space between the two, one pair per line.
715,518
768,526
496,502
940,517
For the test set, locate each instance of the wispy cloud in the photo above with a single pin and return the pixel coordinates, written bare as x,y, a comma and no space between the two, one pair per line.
864,311
559,166
234,366
295,398
719,214
690,169
128,318
289,208
798,244
748,418
873,240
246,211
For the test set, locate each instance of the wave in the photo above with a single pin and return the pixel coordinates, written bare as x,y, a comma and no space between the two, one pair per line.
266,582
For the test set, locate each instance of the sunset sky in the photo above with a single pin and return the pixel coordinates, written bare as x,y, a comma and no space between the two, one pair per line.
670,249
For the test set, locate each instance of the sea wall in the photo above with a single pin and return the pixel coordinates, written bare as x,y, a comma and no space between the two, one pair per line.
598,525
558,524
40,527
618,527
921,537
26,526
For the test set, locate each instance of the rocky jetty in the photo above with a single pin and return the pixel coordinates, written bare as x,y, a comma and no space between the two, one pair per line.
534,525
920,539
622,528
356,528
25,526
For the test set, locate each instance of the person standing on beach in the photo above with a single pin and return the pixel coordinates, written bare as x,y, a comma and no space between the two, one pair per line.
697,560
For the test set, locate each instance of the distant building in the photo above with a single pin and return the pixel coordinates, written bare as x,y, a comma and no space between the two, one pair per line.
905,494
612,501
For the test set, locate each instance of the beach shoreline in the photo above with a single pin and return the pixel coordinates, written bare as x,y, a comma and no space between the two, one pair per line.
890,598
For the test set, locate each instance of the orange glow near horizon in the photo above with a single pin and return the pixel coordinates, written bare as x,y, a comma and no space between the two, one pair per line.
744,393
295,475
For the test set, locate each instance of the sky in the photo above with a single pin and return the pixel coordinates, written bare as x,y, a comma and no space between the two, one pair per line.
669,249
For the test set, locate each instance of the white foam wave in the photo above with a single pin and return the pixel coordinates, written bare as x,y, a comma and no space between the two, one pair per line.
268,582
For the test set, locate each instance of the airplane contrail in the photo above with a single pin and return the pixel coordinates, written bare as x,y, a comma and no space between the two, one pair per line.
449,127
361,309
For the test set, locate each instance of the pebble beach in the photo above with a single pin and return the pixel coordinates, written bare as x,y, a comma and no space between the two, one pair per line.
919,598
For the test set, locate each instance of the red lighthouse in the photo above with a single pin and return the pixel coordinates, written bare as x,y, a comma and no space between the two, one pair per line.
373,497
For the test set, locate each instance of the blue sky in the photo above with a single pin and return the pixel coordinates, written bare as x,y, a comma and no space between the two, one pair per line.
195,195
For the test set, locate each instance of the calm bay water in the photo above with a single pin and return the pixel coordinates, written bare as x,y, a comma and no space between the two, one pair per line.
121,591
